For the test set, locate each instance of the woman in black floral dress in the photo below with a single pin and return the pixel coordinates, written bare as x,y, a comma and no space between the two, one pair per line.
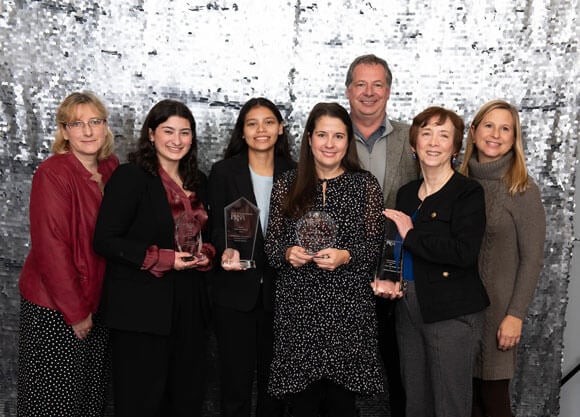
325,348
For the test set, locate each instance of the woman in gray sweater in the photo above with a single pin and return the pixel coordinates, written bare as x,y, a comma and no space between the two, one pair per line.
512,251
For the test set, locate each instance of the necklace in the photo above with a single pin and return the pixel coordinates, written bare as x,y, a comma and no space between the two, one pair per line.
423,193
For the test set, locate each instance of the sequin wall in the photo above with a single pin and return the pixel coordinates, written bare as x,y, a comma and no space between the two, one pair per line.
215,55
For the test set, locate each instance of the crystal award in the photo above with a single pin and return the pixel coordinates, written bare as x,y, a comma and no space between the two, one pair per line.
188,236
241,220
315,231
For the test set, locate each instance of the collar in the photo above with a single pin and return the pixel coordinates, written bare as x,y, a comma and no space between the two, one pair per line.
490,170
383,130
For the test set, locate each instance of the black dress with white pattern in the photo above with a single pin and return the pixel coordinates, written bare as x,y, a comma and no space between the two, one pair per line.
324,323
59,374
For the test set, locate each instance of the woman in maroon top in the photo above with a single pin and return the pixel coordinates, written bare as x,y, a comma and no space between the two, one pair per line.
154,299
62,347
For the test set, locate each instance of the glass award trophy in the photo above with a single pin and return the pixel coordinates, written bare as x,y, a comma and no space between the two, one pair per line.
188,236
315,231
241,220
390,262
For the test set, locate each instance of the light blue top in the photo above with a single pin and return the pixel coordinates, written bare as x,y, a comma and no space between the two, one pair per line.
262,190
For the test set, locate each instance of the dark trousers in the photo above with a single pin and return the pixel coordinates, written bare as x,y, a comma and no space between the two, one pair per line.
491,398
389,352
156,376
245,345
436,359
163,375
323,398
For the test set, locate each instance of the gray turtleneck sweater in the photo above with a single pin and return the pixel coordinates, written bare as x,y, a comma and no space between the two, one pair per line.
510,259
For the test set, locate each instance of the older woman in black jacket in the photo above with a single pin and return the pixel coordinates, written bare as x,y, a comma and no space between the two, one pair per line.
441,220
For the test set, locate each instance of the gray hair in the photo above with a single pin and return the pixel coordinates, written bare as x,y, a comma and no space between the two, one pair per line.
369,59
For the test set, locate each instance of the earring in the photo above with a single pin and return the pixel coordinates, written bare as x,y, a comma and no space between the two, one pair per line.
414,156
453,159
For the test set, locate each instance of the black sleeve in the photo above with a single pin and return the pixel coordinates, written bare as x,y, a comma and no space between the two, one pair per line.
455,233
124,194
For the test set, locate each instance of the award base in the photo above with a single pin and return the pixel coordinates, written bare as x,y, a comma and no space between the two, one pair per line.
199,257
247,263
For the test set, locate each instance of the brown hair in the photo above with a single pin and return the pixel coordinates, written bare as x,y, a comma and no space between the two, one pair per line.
302,192
442,115
145,155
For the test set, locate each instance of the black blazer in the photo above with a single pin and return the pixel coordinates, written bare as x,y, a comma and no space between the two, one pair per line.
229,180
444,244
135,215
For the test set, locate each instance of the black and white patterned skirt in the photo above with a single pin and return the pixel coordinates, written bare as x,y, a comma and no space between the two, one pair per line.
59,374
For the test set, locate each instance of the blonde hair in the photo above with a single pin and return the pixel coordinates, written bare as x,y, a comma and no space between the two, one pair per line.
67,110
516,177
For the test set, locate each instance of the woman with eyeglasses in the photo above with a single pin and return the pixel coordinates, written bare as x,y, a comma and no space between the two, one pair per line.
154,296
62,351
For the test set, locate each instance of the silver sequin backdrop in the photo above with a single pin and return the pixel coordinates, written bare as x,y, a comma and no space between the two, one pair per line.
215,55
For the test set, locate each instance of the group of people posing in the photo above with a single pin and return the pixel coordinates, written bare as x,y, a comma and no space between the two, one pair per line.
105,287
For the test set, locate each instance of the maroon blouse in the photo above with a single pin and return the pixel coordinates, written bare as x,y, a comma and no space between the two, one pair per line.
62,272
158,261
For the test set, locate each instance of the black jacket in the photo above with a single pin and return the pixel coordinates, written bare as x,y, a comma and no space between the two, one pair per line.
135,215
229,180
444,244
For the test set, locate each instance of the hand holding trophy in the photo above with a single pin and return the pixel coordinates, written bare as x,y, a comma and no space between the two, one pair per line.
231,260
188,236
241,220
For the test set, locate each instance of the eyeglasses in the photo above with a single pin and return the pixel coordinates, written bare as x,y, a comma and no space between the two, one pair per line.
78,125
